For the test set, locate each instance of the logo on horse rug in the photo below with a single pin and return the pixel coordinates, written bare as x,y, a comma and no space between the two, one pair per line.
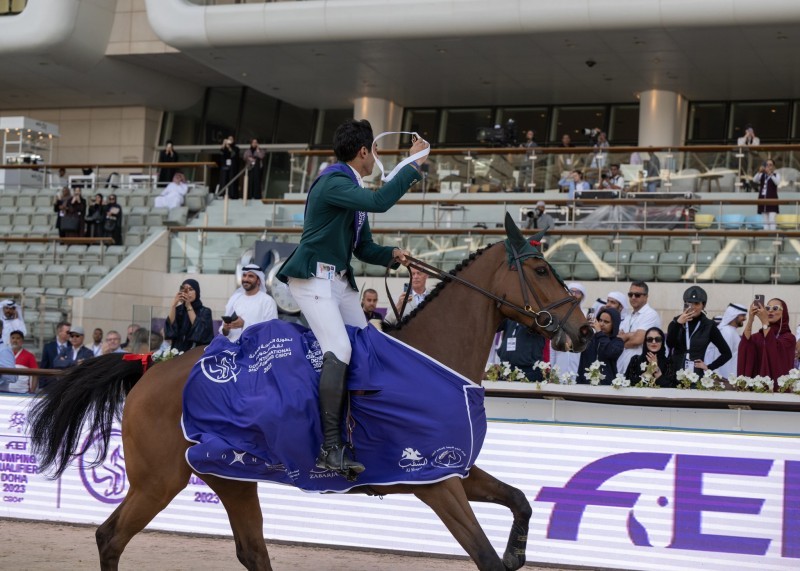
432,417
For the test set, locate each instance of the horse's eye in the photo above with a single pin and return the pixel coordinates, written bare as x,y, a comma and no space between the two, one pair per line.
541,271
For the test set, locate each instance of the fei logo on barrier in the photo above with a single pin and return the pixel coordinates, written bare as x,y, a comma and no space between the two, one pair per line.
689,503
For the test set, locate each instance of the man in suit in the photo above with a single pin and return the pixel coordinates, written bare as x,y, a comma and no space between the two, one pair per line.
75,353
53,349
319,273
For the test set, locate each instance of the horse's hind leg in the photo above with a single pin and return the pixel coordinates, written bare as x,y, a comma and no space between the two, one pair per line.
483,487
448,500
137,510
244,513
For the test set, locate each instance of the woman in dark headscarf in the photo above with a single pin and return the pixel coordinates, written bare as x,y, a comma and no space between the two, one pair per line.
605,347
654,350
770,351
189,323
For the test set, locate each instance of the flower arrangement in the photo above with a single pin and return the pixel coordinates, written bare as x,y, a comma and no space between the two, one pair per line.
165,355
758,384
552,374
648,378
594,373
620,381
790,382
505,372
686,379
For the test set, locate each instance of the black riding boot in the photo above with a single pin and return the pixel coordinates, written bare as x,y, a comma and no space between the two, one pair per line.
332,395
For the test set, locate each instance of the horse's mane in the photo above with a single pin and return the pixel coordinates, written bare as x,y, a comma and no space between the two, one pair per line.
390,328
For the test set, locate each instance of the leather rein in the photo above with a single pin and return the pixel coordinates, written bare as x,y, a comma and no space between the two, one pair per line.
542,317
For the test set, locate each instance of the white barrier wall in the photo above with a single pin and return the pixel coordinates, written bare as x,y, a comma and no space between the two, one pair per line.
620,498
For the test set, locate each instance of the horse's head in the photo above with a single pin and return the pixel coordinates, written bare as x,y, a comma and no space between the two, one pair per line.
541,298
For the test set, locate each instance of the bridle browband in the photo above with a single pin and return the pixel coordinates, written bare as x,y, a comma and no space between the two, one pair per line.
548,324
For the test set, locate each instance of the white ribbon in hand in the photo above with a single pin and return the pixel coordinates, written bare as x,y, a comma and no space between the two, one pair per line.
387,177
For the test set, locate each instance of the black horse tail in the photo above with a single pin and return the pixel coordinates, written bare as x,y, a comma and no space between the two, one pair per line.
89,394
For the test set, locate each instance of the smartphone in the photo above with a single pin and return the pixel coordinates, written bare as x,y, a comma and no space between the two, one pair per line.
590,314
405,288
759,299
230,318
686,306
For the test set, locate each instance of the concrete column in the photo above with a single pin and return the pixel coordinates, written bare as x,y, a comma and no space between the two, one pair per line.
383,115
662,118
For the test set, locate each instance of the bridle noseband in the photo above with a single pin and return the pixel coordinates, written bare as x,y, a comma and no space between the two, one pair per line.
542,317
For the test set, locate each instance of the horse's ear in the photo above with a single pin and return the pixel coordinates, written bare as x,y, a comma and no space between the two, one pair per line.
515,237
538,237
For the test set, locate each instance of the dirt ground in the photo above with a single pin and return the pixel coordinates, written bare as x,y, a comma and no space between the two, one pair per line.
34,546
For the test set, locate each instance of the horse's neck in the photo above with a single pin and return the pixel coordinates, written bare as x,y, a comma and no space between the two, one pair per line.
457,326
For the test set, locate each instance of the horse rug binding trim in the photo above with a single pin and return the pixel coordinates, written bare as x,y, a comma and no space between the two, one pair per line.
251,408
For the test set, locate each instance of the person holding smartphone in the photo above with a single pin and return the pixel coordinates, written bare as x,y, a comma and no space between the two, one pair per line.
189,322
412,299
770,350
767,181
691,332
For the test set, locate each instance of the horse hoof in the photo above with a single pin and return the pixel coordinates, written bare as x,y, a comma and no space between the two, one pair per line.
512,561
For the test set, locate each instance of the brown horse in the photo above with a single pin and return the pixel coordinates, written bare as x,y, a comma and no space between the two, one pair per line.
455,325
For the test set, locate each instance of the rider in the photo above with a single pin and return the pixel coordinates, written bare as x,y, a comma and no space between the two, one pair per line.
319,274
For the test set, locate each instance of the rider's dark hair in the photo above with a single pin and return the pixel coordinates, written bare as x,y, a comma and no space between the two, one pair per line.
349,137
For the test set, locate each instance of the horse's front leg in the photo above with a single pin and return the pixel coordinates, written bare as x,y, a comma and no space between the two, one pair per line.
483,487
448,500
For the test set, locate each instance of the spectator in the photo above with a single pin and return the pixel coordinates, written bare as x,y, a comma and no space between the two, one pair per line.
229,166
59,207
61,180
749,137
75,353
412,299
249,304
54,348
616,181
539,219
605,347
168,155
690,333
254,163
522,348
600,154
770,351
95,216
566,162
24,359
369,301
112,343
654,350
634,326
173,194
574,183
97,342
74,215
132,328
653,173
616,300
189,322
767,181
12,320
144,341
529,141
567,361
112,221
729,325
6,362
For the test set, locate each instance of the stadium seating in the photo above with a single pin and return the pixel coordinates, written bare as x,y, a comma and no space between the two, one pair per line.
671,266
642,266
759,268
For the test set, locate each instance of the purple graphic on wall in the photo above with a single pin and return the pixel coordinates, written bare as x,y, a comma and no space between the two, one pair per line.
107,482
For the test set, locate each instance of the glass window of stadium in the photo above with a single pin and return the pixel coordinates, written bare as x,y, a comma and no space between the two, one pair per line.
707,123
295,125
769,119
461,125
573,120
258,118
624,125
329,120
222,113
422,121
527,118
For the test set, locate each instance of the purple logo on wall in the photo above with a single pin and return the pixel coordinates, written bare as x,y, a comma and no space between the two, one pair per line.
108,482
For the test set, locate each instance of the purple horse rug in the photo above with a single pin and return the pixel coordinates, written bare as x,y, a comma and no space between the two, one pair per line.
251,408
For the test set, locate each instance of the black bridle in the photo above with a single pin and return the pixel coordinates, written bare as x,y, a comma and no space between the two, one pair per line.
548,324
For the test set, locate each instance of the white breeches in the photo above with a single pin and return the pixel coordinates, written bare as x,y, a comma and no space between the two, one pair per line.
769,220
329,305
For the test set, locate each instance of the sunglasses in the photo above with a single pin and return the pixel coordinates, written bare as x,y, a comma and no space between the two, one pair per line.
654,339
75,335
773,308
635,294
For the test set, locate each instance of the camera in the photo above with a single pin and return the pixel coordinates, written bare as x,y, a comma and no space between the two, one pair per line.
590,63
